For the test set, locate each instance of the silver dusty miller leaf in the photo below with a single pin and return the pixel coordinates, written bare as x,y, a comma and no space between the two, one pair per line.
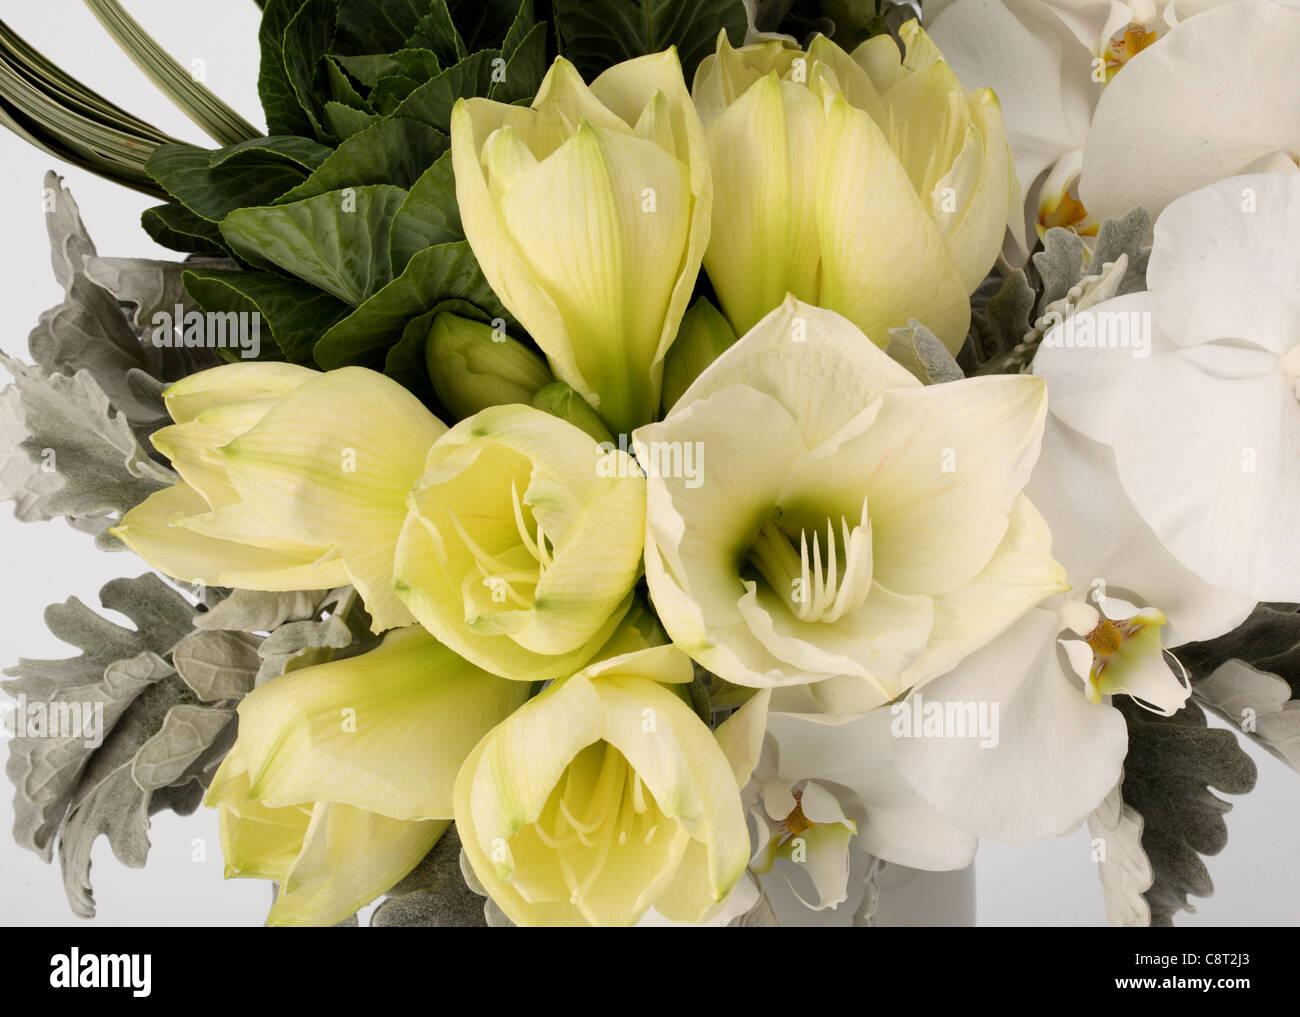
435,894
1062,278
1125,869
917,349
1251,678
1171,765
74,431
154,746
81,417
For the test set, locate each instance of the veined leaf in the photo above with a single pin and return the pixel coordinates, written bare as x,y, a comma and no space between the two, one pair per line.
482,24
433,275
284,113
378,26
296,313
428,216
306,41
524,70
260,151
336,241
431,103
344,121
436,32
177,228
596,34
392,152
188,176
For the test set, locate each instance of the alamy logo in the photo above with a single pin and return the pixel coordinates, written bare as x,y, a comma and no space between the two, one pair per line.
131,971
38,719
213,330
683,460
915,718
1100,330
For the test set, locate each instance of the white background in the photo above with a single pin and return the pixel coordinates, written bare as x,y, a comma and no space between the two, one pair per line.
1049,883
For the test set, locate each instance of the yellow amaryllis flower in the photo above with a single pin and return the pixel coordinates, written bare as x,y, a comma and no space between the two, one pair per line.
291,479
523,542
589,213
607,795
873,186
342,776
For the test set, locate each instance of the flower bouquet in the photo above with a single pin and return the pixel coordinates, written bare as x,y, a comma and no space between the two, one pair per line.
611,462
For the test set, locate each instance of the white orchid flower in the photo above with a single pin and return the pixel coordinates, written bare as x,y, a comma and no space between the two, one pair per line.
1061,745
1206,428
848,527
1126,95
827,790
1216,98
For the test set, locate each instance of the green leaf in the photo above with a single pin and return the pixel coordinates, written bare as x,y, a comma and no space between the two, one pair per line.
428,216
431,103
430,277
300,644
406,363
1172,763
296,313
175,227
379,26
186,174
45,769
596,34
368,68
306,41
188,732
1001,310
482,23
525,68
418,63
22,479
435,31
390,92
341,86
336,241
393,152
56,113
523,24
344,121
260,151
284,113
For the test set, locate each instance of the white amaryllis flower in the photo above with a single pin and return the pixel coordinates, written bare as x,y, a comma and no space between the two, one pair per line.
848,528
1146,99
1206,429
